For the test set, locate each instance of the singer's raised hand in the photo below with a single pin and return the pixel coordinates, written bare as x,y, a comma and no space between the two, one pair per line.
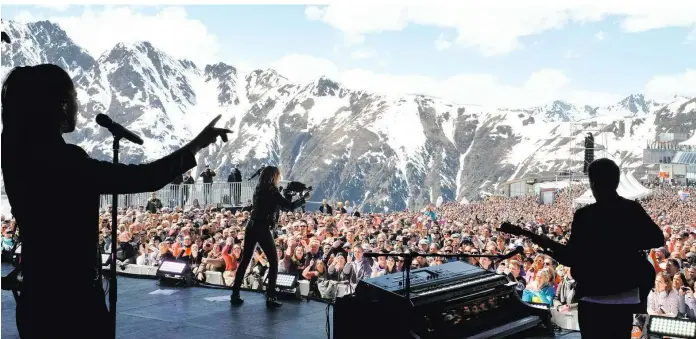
208,136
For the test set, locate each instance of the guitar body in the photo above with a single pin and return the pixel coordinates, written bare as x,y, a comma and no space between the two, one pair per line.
646,280
645,271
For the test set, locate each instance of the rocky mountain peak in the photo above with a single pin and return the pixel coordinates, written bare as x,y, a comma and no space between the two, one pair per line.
220,70
635,103
58,48
372,149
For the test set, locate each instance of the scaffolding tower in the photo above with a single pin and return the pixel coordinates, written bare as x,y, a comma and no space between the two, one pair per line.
578,130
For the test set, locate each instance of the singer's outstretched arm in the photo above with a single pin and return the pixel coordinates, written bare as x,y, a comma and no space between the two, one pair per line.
109,178
285,203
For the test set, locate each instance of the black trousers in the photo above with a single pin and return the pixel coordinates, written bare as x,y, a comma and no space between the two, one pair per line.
185,195
235,192
261,234
206,193
599,321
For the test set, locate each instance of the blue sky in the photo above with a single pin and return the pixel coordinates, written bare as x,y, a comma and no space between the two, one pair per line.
484,57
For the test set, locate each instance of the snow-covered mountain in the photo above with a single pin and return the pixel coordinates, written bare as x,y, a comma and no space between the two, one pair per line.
373,149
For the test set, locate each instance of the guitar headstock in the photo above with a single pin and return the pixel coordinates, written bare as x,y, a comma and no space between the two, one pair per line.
509,228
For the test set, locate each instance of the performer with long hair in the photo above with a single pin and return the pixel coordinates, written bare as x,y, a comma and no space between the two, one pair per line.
39,104
266,204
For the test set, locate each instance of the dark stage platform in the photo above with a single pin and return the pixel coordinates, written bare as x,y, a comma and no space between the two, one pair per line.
189,313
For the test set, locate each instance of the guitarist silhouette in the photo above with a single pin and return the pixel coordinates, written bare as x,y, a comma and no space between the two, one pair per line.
608,239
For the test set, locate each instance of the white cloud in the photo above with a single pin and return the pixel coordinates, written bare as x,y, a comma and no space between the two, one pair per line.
169,29
541,87
600,36
363,53
665,87
441,44
350,39
546,80
495,28
54,7
314,13
25,17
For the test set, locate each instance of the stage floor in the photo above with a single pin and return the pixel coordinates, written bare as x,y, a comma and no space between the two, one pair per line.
192,312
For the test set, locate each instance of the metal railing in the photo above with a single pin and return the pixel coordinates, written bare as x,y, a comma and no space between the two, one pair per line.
185,196
171,196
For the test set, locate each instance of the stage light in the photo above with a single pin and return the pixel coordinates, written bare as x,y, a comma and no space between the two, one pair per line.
286,281
175,271
172,268
672,327
287,286
540,306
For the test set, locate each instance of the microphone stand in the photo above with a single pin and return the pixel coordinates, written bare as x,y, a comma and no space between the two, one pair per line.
114,223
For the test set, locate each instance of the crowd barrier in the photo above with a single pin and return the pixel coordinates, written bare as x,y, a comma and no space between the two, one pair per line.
212,278
217,193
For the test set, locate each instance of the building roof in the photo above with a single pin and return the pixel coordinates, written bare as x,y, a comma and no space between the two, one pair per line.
684,158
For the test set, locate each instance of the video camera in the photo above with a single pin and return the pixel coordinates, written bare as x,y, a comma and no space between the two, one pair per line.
297,187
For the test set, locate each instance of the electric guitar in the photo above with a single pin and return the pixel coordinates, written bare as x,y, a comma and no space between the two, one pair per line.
645,274
547,244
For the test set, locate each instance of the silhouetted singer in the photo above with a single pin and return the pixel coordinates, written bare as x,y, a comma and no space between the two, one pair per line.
607,301
262,221
59,298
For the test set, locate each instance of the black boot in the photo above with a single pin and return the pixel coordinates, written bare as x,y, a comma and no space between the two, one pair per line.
235,299
272,302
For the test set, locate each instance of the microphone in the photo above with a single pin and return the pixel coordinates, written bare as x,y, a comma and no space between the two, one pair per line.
117,129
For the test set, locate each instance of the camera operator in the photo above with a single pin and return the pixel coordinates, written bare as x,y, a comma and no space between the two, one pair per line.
207,176
267,201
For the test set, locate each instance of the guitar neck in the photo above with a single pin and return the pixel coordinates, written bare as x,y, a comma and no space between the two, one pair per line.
541,240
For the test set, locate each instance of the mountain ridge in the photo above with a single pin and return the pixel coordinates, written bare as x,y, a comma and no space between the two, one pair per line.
374,149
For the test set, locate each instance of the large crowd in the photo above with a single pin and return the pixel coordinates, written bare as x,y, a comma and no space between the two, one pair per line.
326,246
